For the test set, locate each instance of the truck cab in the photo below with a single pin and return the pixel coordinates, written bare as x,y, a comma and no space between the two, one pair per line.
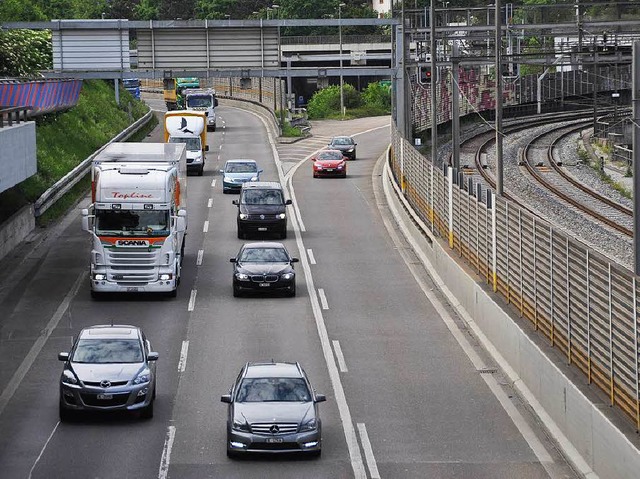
202,100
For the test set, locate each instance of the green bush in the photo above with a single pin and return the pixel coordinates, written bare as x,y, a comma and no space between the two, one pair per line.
325,103
25,52
377,96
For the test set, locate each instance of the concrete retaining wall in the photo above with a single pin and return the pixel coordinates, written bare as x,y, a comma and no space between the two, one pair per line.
588,438
16,229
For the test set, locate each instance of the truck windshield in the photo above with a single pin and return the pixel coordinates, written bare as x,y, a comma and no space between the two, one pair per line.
193,144
199,101
132,222
131,83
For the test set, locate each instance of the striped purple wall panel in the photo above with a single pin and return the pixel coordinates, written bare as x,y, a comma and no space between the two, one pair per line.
43,96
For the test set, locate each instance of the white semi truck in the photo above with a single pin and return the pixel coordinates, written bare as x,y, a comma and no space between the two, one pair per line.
138,218
202,100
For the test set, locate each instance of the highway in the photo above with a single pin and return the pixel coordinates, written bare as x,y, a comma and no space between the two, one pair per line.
406,397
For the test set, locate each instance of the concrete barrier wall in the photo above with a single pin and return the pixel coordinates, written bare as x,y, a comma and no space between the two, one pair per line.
594,445
16,229
18,154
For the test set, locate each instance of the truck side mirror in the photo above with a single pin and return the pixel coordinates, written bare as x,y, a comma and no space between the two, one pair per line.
215,103
288,202
235,202
206,148
181,223
85,220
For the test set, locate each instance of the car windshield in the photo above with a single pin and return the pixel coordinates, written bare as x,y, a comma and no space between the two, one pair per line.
132,222
342,141
329,155
102,351
131,83
235,167
273,389
264,255
199,101
262,197
193,144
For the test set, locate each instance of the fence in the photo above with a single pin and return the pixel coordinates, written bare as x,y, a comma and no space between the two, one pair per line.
584,305
40,96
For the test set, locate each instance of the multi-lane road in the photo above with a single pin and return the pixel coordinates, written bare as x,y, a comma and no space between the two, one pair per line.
410,394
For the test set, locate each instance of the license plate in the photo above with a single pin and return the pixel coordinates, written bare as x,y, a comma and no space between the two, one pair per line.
329,169
262,229
275,440
132,289
105,396
264,285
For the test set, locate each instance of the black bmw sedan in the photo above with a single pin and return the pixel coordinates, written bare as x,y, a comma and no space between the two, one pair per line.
263,267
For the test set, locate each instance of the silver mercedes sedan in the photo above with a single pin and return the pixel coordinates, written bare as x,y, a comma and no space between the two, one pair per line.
109,368
273,409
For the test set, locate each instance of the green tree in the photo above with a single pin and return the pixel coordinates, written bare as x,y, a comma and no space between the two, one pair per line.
24,52
147,10
171,9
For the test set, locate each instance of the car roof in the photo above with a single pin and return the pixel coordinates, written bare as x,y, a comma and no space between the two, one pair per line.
240,160
331,150
264,244
256,185
106,331
341,137
273,369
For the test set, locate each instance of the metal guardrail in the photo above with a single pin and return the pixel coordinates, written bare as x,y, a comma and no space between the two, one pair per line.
12,115
62,186
584,305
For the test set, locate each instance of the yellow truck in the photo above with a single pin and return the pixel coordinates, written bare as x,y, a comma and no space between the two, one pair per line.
188,127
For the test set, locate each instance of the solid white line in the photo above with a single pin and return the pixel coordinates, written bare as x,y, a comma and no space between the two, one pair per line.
340,356
43,448
163,472
461,337
368,451
312,259
192,300
205,227
33,353
296,209
323,299
182,364
200,256
213,182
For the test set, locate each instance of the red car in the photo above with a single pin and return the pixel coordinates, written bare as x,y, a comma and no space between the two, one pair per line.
329,163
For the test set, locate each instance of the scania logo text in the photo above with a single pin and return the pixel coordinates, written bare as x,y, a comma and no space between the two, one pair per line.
134,243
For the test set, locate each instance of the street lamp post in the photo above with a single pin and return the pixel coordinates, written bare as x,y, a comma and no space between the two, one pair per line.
340,5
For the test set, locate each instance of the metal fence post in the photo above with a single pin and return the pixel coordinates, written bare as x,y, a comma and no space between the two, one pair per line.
521,268
588,322
494,242
612,385
450,204
535,277
402,185
551,290
432,205
635,347
567,266
507,275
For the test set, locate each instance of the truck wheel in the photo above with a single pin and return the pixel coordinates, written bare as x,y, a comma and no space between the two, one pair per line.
95,295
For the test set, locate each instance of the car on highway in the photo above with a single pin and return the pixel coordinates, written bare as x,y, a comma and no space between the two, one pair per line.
264,267
345,144
262,209
273,409
237,172
329,163
109,368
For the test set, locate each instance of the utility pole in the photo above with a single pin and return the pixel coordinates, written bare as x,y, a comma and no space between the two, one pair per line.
635,85
455,105
498,47
432,86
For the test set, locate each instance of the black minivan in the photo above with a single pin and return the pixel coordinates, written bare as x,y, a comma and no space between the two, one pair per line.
261,209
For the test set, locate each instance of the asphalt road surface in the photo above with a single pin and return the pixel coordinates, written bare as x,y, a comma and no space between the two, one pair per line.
405,396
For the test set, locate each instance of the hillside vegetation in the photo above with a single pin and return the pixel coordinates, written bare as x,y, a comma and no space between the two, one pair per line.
63,140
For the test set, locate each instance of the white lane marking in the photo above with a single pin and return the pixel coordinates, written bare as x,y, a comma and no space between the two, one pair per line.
33,353
518,420
220,147
200,256
312,259
218,160
368,451
296,209
182,364
323,299
210,202
205,227
163,472
43,448
192,300
339,356
213,182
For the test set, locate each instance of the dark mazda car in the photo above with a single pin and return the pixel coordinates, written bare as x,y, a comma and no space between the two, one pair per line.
263,267
273,409
262,209
345,144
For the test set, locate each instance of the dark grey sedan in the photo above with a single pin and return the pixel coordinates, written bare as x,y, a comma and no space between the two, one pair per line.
109,368
345,144
273,409
263,267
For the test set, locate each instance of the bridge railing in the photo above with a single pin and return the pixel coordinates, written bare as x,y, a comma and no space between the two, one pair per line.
9,116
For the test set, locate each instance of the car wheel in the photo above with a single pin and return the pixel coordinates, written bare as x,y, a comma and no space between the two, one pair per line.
283,233
292,290
236,291
147,413
201,171
232,454
316,454
173,293
65,414
240,234
214,128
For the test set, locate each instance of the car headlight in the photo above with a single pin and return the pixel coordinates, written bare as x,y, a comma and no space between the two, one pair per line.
310,425
318,166
340,167
68,377
281,216
143,377
254,178
242,277
288,276
240,425
350,150
243,216
228,180
99,276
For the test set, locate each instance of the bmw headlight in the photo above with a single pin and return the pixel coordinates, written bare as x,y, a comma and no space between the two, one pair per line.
310,425
287,276
68,377
281,216
242,277
228,180
240,425
243,216
143,377
340,167
350,150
